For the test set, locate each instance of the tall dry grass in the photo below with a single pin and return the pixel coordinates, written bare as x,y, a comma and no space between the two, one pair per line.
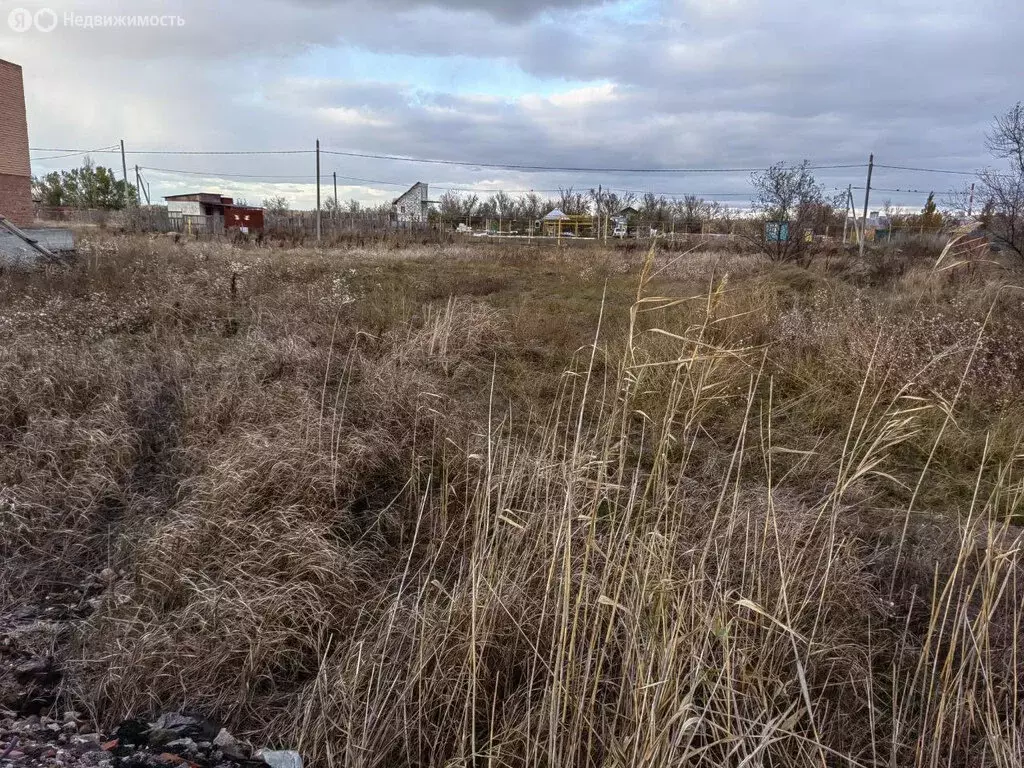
715,545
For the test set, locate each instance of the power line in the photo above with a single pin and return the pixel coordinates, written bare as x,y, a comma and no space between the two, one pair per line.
228,175
926,170
907,191
109,148
563,169
434,161
184,151
67,152
293,177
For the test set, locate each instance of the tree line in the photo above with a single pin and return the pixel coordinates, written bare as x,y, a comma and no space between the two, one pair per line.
688,213
788,195
91,187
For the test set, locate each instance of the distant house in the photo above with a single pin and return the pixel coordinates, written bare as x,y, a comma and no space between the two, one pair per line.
876,227
213,213
413,207
623,221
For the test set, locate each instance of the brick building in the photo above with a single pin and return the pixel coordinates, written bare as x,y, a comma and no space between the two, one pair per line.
15,170
212,212
413,207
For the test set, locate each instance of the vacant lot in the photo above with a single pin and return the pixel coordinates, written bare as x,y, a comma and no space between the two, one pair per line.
514,506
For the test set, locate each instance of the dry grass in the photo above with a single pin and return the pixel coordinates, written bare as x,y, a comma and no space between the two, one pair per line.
529,508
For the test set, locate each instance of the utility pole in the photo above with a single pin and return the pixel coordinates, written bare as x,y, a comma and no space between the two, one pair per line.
337,208
318,191
846,215
124,169
139,188
867,199
970,205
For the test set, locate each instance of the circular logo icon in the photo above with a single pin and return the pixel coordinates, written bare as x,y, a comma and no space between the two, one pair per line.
45,19
20,20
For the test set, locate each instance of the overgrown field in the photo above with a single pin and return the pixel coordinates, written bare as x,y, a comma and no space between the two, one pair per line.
510,506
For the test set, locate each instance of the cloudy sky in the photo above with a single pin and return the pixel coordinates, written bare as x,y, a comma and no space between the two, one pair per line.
622,84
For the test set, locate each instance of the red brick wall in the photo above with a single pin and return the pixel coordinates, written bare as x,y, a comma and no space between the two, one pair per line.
16,199
15,170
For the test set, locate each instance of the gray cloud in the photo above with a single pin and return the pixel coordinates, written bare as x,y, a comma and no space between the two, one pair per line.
511,11
673,83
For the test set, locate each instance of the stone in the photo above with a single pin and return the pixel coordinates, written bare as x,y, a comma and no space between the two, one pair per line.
171,726
280,758
185,745
230,746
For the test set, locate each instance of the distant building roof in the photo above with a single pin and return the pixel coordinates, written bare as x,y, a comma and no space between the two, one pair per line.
210,198
201,197
410,190
555,215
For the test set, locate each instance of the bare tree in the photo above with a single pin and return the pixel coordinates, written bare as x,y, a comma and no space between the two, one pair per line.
1006,138
654,209
607,204
455,206
504,207
504,204
1002,193
331,208
1004,208
572,203
693,213
788,201
487,208
531,206
450,205
276,205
